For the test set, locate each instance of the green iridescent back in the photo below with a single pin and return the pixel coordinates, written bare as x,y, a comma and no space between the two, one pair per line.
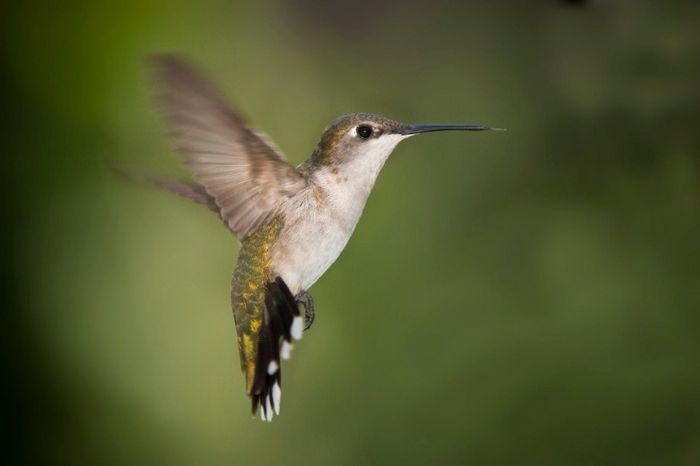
250,278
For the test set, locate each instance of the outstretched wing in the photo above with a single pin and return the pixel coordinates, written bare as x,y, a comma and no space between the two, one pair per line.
247,177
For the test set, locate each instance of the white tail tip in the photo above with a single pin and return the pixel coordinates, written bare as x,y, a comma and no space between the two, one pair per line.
297,328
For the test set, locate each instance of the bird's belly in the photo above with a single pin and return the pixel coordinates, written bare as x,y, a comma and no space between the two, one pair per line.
306,249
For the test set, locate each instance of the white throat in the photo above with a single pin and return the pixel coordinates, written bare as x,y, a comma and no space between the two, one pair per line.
327,213
348,186
364,169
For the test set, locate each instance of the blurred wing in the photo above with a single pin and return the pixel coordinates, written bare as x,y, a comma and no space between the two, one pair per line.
246,175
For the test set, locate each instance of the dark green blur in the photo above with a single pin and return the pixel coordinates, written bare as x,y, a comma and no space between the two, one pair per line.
529,297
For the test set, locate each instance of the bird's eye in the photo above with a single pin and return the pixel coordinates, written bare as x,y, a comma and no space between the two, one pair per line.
364,131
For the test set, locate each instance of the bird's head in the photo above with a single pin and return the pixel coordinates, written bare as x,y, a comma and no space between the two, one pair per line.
366,135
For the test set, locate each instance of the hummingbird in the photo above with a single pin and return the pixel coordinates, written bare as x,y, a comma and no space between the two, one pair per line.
292,222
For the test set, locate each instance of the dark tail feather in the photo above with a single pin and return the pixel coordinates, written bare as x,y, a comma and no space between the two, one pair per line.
281,323
183,188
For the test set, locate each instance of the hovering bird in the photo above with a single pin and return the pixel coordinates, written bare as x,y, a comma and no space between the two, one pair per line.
292,222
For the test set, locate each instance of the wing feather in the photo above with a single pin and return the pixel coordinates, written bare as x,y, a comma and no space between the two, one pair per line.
242,170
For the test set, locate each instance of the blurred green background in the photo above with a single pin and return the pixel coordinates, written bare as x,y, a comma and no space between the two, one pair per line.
529,297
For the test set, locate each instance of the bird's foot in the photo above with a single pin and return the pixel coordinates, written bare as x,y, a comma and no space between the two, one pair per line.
304,298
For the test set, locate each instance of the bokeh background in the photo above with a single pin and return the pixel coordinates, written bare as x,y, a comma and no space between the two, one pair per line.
522,298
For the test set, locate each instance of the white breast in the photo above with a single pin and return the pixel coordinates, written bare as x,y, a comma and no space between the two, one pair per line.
321,219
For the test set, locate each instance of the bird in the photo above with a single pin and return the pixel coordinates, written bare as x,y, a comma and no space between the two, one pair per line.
292,222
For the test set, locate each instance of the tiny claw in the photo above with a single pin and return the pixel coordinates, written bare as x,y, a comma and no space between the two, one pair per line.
305,299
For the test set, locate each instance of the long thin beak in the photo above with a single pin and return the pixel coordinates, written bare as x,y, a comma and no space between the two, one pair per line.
415,129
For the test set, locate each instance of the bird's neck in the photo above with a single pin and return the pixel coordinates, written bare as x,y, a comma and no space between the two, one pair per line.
346,186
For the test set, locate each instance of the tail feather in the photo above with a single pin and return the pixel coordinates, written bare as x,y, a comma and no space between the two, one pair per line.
281,324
